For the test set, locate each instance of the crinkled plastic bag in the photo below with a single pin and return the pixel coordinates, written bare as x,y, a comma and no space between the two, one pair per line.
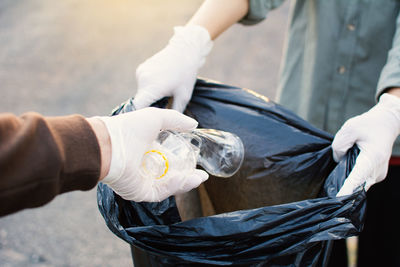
287,160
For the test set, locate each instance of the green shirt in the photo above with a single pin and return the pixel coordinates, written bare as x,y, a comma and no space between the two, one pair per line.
341,55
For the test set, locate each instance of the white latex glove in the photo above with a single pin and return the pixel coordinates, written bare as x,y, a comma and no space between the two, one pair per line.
131,136
173,70
374,132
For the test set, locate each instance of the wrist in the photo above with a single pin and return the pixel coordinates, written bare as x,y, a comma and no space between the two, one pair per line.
394,91
218,16
194,39
103,138
391,103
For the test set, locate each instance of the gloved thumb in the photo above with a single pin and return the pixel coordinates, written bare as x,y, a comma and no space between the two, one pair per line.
342,142
144,98
357,176
176,121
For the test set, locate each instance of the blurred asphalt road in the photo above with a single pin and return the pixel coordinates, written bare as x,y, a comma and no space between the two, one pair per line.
72,56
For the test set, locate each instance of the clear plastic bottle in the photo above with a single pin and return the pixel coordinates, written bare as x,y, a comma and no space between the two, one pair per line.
219,153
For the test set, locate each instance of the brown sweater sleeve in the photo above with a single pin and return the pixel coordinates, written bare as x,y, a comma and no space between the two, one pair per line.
41,157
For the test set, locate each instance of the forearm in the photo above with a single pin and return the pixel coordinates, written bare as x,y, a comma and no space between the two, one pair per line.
394,91
43,157
218,15
103,138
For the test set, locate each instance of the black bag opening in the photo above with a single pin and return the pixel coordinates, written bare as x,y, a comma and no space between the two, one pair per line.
279,209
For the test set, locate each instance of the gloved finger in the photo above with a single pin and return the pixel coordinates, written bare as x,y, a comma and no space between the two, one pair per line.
132,189
192,181
180,101
358,176
144,97
342,142
176,184
182,97
173,120
181,183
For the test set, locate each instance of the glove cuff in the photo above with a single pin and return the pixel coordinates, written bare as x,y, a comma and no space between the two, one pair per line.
392,104
194,37
117,154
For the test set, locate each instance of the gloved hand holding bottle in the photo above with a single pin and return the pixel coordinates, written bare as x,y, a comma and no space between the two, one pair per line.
131,136
374,132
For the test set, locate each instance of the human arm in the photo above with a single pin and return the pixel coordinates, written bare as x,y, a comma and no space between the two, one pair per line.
375,131
173,70
104,141
41,157
218,16
394,91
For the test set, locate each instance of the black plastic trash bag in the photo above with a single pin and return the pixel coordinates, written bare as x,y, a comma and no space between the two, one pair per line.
287,160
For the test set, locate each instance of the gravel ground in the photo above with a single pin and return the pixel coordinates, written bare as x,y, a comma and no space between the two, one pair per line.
71,56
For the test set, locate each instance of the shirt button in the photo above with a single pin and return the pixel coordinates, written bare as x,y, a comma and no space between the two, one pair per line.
351,27
342,69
